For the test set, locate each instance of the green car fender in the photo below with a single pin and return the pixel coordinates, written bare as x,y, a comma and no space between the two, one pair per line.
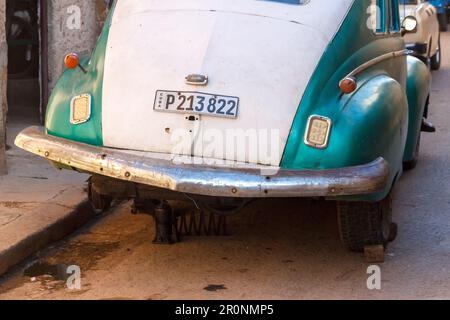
73,83
366,124
372,123
418,87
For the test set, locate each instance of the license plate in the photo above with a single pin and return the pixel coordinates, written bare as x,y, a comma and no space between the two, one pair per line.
197,103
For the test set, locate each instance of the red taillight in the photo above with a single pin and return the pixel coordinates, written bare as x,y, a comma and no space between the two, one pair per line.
72,61
348,85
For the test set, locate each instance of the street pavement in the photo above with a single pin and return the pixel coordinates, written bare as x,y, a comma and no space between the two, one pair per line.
38,204
276,249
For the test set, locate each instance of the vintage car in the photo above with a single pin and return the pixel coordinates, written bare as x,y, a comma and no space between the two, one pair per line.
425,40
222,102
443,10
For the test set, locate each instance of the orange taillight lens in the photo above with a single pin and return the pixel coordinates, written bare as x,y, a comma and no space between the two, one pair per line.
348,85
72,61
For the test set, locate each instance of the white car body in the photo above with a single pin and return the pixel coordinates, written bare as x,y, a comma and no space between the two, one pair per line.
427,28
242,59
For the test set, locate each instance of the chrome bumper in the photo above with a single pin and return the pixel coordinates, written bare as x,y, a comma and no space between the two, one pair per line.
205,180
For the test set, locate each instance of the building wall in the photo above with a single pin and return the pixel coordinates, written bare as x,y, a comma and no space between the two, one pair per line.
3,82
69,30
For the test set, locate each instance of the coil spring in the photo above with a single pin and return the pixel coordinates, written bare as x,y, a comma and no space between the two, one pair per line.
201,223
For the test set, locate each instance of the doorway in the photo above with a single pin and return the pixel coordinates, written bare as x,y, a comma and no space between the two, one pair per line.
24,83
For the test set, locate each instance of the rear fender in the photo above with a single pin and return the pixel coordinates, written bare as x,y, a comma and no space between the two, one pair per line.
74,82
418,89
370,123
374,123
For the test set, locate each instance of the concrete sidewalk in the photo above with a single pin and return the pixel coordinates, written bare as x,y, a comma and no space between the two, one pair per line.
38,203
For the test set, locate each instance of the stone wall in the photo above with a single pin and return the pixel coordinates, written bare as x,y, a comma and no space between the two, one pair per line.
3,83
72,27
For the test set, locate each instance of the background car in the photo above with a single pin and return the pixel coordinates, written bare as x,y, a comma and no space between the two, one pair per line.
425,40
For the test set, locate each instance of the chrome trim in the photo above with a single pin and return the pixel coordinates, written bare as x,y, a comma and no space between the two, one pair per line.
371,63
197,79
205,180
410,31
308,127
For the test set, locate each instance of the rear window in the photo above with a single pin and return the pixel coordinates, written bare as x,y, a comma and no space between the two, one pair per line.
409,2
298,2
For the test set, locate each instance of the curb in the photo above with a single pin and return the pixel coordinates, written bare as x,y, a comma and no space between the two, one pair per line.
68,223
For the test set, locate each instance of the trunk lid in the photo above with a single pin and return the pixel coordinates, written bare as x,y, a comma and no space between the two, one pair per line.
260,52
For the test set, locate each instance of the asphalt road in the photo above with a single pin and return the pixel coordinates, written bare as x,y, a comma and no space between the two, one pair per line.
276,250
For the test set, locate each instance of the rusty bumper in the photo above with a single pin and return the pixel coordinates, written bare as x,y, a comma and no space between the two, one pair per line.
221,181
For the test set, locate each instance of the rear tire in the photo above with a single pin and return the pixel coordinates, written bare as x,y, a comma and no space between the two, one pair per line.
435,61
364,224
443,21
99,203
412,164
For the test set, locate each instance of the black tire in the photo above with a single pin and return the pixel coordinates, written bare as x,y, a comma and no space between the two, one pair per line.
443,21
435,61
412,164
364,224
99,203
